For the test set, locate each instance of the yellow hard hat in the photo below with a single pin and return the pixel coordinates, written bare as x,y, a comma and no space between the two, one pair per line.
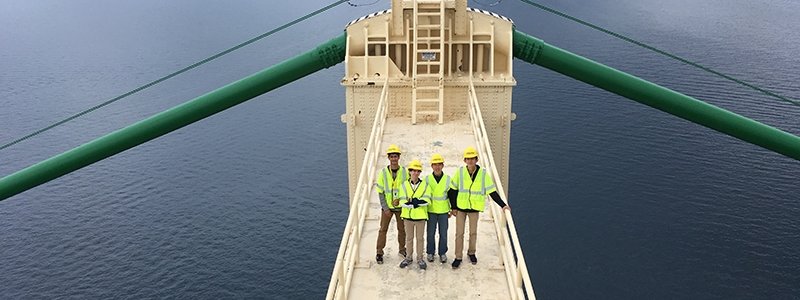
437,158
415,165
470,152
393,149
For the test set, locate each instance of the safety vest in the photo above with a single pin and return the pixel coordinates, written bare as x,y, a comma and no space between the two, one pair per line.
407,192
472,194
438,193
390,188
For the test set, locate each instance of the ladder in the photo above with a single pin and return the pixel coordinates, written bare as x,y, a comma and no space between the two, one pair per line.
427,86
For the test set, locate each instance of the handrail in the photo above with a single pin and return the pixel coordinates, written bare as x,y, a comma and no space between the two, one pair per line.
519,280
339,286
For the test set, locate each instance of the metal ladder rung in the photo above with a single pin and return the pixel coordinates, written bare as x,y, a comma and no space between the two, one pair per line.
428,38
428,63
446,28
428,100
428,112
431,14
429,50
428,26
427,88
427,84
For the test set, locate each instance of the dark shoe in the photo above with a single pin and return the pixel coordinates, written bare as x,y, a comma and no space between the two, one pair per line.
443,258
430,257
422,265
456,263
405,263
472,258
403,253
379,259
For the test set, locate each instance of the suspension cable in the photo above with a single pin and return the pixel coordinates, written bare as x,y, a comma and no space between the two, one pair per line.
157,81
659,51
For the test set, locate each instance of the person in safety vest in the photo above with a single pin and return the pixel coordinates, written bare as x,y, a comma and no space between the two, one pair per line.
469,187
388,184
439,209
414,195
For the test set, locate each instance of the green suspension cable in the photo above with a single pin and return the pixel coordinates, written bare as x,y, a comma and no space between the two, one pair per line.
659,51
323,56
157,81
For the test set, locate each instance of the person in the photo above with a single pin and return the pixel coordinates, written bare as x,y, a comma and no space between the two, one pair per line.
469,187
414,195
387,185
439,208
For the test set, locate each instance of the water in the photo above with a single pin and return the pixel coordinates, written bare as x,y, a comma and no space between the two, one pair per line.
613,199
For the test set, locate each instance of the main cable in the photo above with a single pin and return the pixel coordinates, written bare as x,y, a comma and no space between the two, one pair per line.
157,81
662,52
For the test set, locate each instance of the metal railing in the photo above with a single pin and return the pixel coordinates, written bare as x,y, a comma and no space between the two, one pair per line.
339,286
519,282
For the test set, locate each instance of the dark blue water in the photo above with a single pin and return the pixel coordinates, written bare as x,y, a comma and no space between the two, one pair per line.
613,199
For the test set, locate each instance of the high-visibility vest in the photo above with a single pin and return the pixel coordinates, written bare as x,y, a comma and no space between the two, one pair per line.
390,188
472,194
438,193
407,192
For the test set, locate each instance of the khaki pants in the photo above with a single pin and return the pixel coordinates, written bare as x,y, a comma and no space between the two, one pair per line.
401,232
414,229
473,232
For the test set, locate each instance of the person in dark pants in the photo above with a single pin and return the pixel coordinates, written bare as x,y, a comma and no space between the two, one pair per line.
468,190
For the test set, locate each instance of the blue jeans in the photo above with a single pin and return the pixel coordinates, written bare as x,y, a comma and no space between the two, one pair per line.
433,220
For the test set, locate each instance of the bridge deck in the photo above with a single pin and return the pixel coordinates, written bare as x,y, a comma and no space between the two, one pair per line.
485,280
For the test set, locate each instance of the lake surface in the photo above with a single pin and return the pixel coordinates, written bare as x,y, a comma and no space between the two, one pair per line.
613,199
